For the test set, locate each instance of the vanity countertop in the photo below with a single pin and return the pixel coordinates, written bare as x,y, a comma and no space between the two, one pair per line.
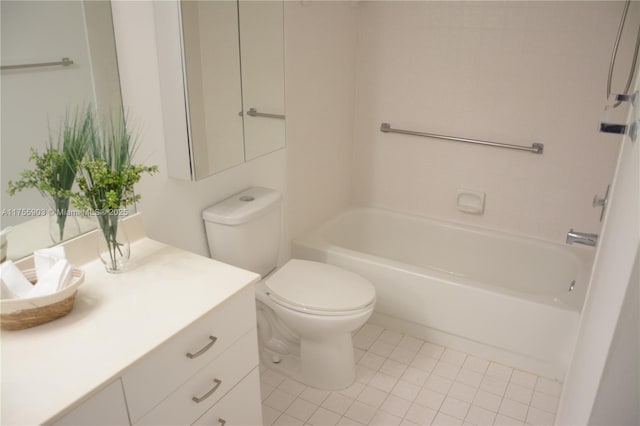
116,320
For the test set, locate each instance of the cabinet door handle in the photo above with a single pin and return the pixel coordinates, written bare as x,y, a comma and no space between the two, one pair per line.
222,422
208,394
203,350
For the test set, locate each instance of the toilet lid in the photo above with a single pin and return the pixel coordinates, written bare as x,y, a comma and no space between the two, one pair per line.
319,286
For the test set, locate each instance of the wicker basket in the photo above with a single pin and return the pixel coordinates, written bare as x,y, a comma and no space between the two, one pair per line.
16,314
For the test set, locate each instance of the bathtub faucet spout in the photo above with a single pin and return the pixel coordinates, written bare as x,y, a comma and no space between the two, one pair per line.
581,238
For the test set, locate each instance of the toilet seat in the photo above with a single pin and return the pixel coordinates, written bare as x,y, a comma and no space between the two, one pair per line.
319,288
326,313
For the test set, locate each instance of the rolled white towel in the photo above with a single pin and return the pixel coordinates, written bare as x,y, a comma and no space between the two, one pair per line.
55,279
44,259
13,282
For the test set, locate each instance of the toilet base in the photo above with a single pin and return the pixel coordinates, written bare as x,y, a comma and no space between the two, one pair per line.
288,365
327,365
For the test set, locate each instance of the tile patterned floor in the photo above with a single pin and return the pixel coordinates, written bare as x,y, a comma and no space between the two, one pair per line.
402,380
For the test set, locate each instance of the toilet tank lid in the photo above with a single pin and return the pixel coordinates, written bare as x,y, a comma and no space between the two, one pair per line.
243,206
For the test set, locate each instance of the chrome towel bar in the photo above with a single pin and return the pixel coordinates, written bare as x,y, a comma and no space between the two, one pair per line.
65,62
254,113
536,148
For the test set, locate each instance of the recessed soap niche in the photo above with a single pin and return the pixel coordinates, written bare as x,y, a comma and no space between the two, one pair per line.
470,201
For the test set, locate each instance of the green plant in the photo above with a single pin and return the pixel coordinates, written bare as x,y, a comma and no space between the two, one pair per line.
106,179
55,169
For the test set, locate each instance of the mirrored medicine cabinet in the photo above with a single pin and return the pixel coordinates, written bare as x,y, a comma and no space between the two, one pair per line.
221,66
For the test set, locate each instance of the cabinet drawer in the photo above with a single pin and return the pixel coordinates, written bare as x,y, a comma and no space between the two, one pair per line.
209,384
240,407
162,371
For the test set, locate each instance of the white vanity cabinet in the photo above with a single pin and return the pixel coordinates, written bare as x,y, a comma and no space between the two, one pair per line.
172,341
240,407
210,366
204,389
182,379
106,408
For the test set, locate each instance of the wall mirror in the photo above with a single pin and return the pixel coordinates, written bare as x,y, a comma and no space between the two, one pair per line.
38,88
230,84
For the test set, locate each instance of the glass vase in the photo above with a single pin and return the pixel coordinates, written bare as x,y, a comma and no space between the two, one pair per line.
113,245
63,223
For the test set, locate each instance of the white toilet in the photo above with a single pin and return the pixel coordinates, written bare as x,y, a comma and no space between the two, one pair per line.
306,310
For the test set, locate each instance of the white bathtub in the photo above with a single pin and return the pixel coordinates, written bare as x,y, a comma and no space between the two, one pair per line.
499,296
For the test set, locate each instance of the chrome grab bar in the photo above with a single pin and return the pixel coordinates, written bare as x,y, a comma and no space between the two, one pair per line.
254,113
65,62
536,148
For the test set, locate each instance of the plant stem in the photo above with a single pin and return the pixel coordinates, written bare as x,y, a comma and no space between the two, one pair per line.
109,226
62,207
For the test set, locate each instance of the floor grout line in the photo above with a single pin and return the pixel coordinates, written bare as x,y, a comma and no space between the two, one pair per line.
460,408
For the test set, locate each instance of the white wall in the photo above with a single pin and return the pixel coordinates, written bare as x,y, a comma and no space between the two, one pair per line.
172,208
512,72
320,47
618,398
601,355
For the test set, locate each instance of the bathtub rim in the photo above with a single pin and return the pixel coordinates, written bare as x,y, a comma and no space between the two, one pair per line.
583,256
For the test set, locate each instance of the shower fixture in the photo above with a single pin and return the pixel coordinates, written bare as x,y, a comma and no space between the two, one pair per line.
614,54
601,202
632,98
581,238
621,129
625,96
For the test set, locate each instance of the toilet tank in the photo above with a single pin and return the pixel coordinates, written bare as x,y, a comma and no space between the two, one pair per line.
244,230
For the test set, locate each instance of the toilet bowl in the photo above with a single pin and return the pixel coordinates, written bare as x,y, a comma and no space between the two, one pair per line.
306,310
315,308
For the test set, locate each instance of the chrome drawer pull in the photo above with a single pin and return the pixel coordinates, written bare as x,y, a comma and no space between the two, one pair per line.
222,422
208,394
203,350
